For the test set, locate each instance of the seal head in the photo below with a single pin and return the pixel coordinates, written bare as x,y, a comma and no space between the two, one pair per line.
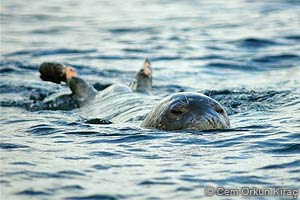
187,110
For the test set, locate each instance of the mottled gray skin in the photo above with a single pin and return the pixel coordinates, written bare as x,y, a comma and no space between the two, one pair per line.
187,110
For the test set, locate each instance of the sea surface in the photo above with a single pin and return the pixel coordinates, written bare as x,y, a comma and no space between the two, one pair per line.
243,53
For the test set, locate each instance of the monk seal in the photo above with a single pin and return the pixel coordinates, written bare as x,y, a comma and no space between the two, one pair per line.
187,110
122,103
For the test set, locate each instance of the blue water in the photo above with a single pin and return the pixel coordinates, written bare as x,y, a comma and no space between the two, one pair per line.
245,54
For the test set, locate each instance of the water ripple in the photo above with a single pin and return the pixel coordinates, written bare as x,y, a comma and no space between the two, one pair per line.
284,165
104,154
280,60
43,52
42,129
289,148
9,146
94,197
32,192
255,43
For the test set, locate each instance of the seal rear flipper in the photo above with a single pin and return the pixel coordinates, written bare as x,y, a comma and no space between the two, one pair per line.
53,72
143,82
56,72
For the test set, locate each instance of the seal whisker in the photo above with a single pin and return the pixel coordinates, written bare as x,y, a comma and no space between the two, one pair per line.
182,101
187,100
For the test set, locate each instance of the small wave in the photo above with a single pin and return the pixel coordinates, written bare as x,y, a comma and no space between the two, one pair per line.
93,70
56,175
184,189
248,180
134,138
277,58
127,136
106,167
11,103
293,102
156,183
83,133
94,197
131,57
23,163
162,58
12,66
114,57
47,52
12,87
6,70
291,148
32,192
67,188
241,100
101,167
104,154
289,165
255,42
9,146
155,157
76,158
69,173
293,136
169,88
225,143
42,129
293,37
50,31
135,50
230,65
229,180
190,140
132,30
207,57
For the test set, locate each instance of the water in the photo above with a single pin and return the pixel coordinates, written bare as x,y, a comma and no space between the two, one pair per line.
243,53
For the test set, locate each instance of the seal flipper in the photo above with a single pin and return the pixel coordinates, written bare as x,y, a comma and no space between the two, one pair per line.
56,72
82,92
143,82
53,72
81,88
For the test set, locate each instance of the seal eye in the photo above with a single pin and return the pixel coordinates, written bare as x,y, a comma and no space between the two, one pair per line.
219,109
176,111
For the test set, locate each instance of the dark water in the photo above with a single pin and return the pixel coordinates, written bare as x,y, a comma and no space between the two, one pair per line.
245,54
